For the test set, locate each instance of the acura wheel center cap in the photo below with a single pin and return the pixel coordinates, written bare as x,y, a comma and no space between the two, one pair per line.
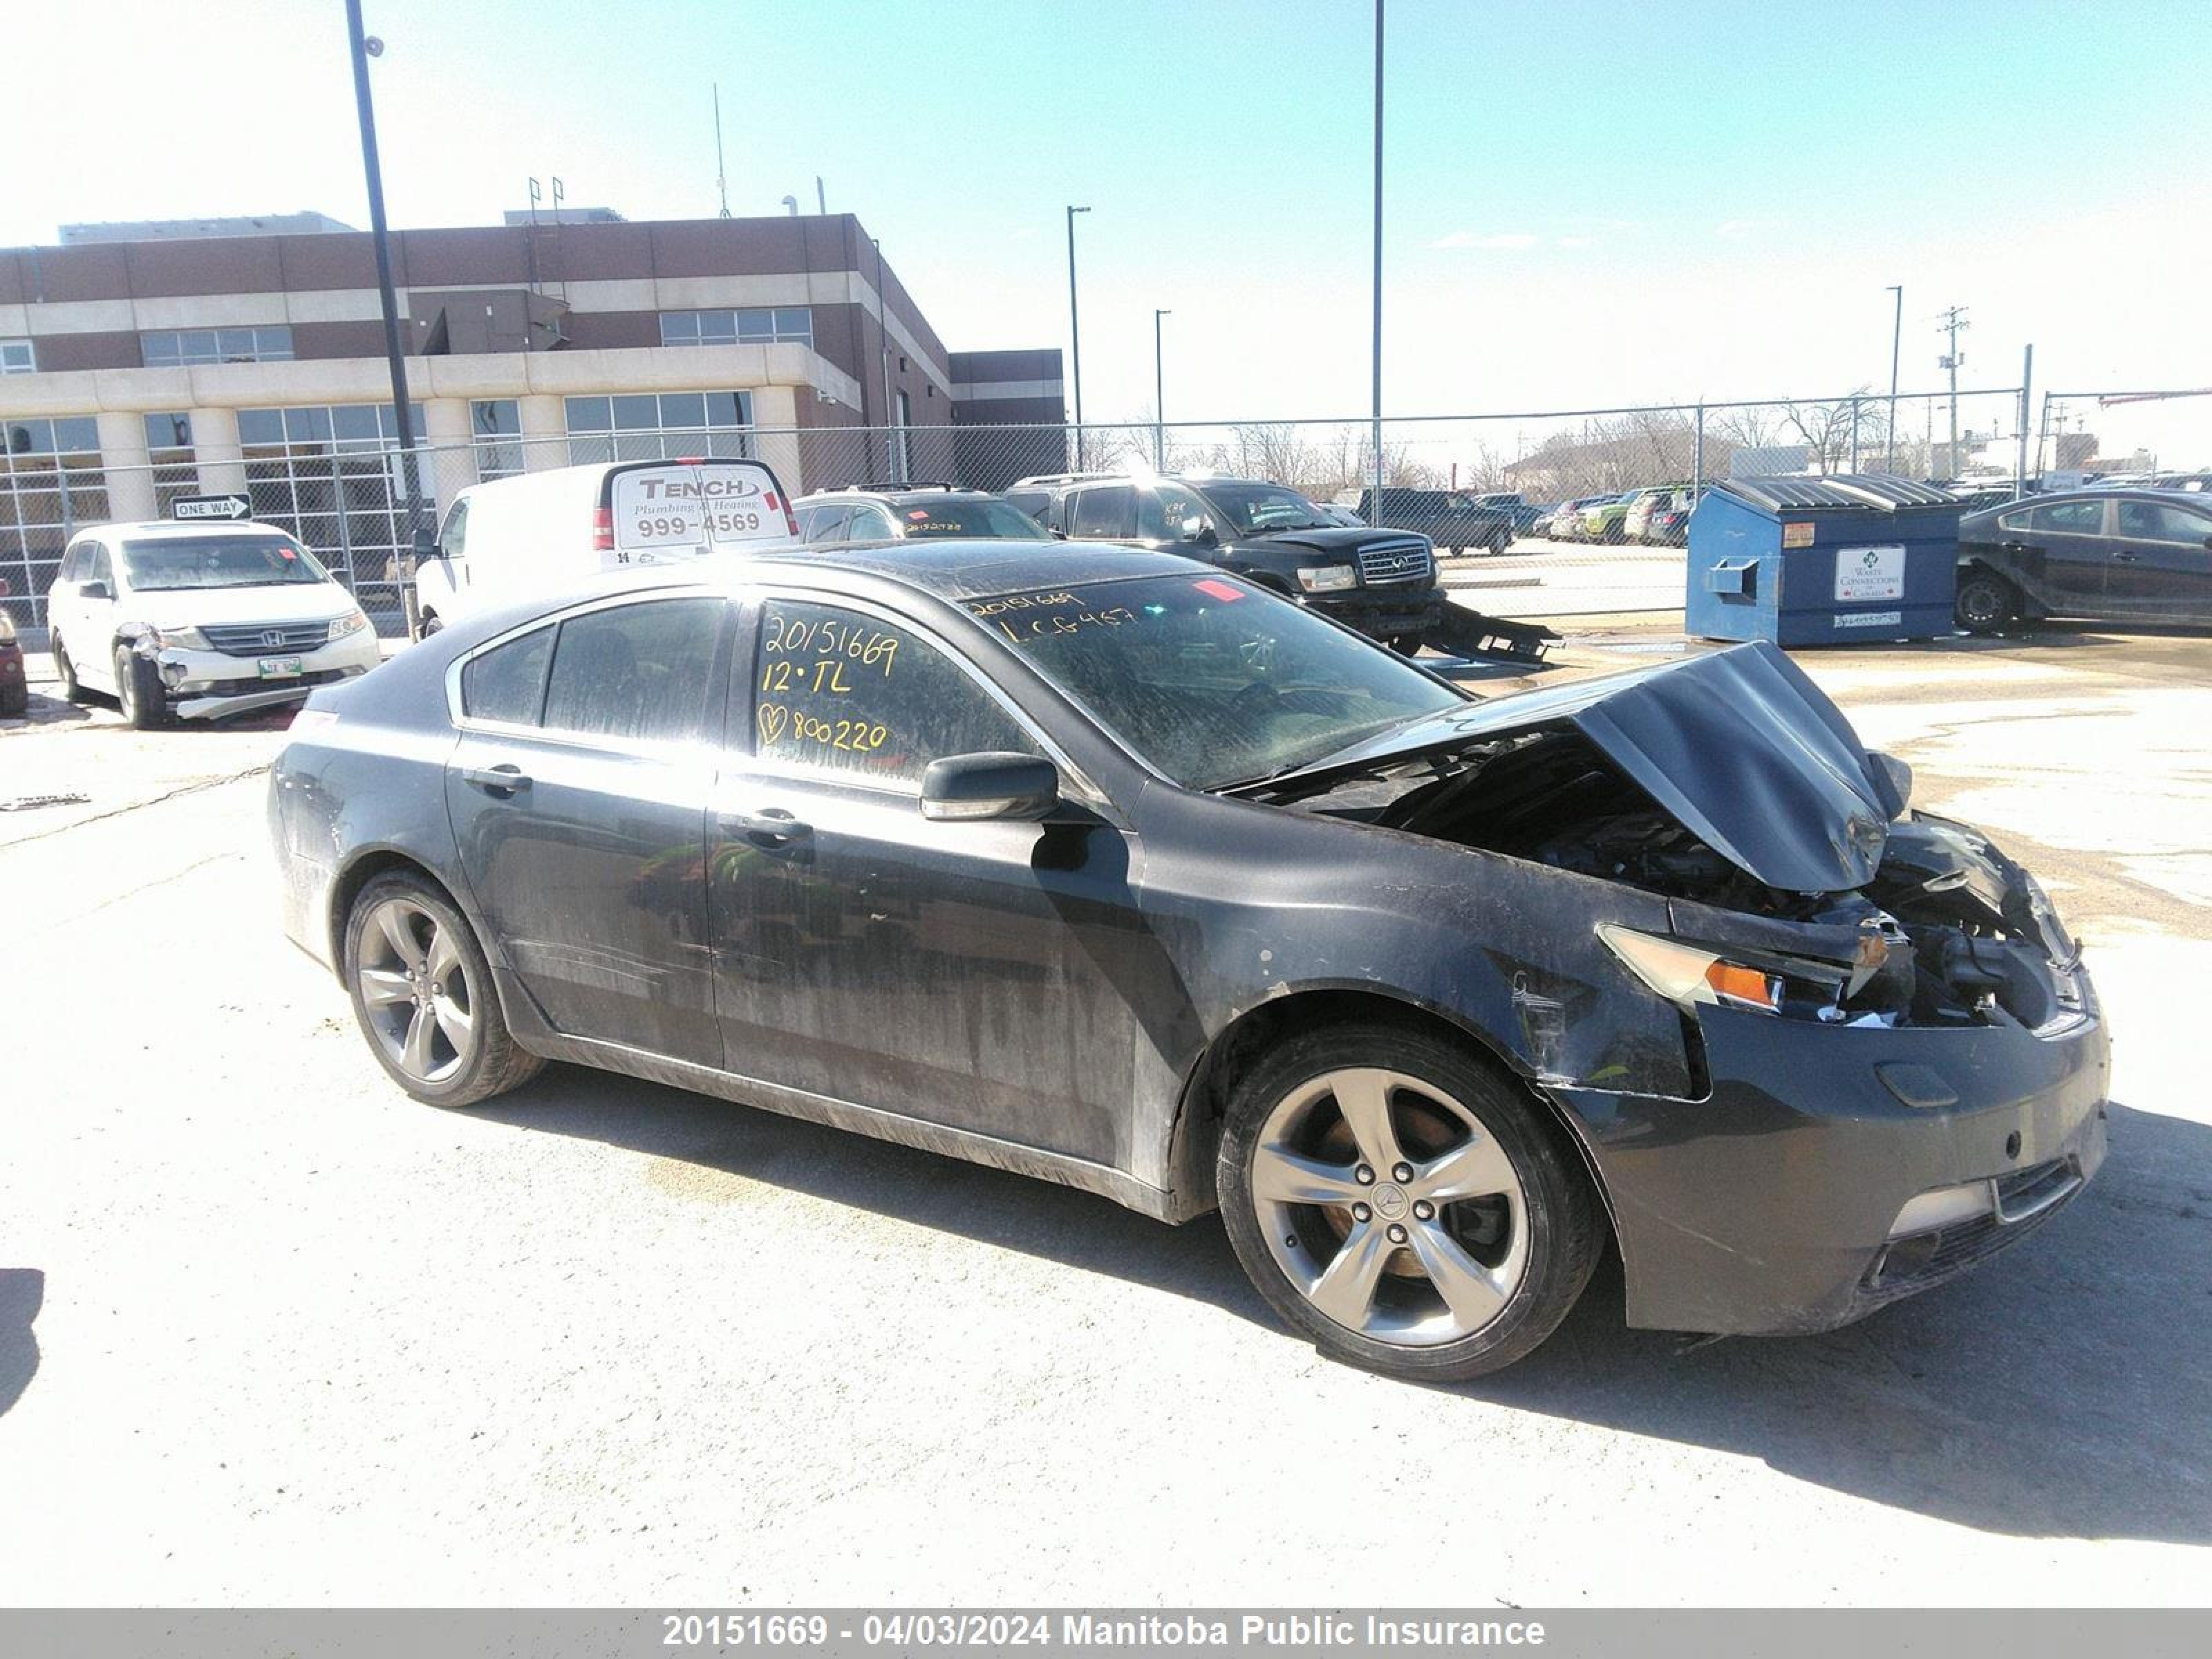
1390,1202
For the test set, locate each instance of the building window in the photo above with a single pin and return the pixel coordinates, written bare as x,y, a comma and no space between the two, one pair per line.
18,357
52,483
184,348
495,430
331,475
760,325
169,447
669,427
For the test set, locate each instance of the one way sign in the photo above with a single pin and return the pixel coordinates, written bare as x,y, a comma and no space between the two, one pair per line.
210,507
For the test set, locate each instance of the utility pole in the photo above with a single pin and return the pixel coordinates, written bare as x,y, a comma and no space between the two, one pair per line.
1159,398
1896,343
364,48
1953,320
1075,334
721,180
1376,389
891,437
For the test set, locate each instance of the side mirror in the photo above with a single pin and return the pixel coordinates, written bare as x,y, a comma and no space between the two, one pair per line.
426,545
990,785
94,591
1197,529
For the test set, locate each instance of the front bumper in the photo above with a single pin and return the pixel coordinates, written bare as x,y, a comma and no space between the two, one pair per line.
1778,1202
1385,612
211,684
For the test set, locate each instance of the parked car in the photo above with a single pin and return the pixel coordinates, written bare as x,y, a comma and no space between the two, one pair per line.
541,533
1514,506
14,682
1634,506
1602,519
1669,523
1114,869
879,512
1565,524
1453,520
199,621
1647,505
1382,582
2095,555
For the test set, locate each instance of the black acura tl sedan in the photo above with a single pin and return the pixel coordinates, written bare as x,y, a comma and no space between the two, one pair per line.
1112,868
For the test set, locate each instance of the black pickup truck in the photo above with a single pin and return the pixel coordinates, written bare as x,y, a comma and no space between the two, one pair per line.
1382,582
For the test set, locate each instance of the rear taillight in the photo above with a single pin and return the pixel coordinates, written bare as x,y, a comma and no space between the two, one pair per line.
790,519
603,530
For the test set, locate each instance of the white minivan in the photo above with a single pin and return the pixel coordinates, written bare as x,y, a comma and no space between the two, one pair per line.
199,621
544,531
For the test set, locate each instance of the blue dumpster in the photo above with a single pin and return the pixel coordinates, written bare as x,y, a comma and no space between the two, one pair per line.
1822,561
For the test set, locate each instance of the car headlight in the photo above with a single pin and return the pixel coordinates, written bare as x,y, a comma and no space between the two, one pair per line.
1690,976
180,639
1327,578
352,622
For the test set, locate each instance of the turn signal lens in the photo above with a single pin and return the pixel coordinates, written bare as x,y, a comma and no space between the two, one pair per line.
1744,985
1682,974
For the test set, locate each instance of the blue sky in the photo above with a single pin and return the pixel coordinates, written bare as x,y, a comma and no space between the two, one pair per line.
1592,202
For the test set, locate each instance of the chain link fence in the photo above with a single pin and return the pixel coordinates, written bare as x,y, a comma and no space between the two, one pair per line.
355,500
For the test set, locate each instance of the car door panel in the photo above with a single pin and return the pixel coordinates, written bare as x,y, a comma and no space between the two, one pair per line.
2162,568
586,854
972,974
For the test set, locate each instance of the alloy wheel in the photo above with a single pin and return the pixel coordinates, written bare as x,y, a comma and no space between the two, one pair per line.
1389,1206
416,990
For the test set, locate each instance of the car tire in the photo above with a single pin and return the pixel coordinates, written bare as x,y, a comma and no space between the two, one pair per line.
1498,544
1985,604
138,690
424,996
1515,1247
66,673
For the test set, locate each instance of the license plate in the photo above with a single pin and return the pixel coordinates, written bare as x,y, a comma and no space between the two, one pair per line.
280,668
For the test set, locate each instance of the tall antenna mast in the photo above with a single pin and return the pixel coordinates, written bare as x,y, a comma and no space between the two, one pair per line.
721,183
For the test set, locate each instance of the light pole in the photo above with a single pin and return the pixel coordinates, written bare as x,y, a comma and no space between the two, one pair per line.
1159,398
1896,342
1953,320
1377,386
411,477
1075,334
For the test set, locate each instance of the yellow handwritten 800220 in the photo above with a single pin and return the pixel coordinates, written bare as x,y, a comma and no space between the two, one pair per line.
788,635
855,737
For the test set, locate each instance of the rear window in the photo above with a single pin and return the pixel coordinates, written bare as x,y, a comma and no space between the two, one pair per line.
998,521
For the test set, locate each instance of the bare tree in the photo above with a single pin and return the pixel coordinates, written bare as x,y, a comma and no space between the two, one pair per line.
1827,429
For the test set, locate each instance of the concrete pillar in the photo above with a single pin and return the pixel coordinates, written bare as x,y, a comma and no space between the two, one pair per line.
216,449
544,432
130,468
775,415
449,462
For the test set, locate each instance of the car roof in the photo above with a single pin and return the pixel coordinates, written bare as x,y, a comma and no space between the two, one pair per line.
894,497
149,530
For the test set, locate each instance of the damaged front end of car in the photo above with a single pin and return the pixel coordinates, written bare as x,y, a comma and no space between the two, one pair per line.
1895,1056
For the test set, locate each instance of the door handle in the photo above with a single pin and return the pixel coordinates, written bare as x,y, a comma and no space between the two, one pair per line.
2015,547
774,827
2124,557
505,779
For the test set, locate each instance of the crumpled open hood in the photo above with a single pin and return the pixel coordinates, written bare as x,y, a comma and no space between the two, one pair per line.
1739,745
1330,538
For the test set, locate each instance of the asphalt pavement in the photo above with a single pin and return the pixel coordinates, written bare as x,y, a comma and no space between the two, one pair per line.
272,1333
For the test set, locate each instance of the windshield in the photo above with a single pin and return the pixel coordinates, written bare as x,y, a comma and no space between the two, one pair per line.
1257,508
1001,521
1210,680
218,562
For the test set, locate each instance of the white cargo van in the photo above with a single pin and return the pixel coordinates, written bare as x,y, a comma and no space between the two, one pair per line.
544,531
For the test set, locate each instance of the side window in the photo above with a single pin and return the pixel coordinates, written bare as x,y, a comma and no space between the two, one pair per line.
843,692
1163,510
453,540
2155,521
1108,512
101,569
872,524
70,560
637,671
825,523
507,683
2069,517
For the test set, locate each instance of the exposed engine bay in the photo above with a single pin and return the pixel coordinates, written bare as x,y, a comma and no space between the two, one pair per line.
1947,931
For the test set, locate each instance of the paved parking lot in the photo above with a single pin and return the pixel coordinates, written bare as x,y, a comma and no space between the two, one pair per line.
269,1332
1540,578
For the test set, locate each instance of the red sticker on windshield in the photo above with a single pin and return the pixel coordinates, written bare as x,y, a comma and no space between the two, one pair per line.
919,514
1221,591
287,552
